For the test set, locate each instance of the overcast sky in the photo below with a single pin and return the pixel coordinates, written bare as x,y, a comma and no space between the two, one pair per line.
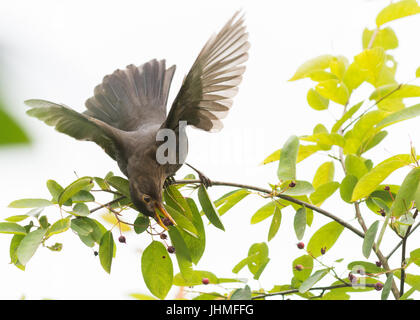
59,51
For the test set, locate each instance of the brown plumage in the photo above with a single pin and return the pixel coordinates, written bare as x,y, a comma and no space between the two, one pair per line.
129,108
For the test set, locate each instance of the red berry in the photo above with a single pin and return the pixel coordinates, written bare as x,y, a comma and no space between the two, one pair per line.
171,249
386,188
121,239
301,245
379,286
378,263
292,184
299,267
205,281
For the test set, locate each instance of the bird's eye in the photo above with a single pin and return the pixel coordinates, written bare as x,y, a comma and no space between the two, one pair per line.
146,198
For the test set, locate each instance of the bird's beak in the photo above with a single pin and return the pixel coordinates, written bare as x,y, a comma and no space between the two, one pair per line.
160,209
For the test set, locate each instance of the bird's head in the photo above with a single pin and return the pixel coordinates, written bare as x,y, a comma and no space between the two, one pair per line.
146,194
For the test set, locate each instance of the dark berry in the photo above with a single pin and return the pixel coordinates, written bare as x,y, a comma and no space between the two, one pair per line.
171,249
323,250
382,212
292,184
378,286
95,253
352,278
378,263
301,245
360,271
386,188
121,239
167,222
299,267
205,281
163,236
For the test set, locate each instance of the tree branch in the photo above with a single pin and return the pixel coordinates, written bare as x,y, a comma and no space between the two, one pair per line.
281,196
400,243
282,293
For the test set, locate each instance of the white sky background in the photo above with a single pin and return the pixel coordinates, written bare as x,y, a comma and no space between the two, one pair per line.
60,50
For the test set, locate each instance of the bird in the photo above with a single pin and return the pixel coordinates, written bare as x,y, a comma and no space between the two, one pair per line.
128,110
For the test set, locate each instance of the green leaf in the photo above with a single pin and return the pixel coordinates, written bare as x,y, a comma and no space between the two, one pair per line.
366,267
307,262
397,10
338,66
182,221
30,203
106,251
318,63
324,174
312,280
74,188
303,153
10,131
333,90
140,296
14,244
347,187
353,77
346,117
275,224
120,184
11,228
17,218
384,38
242,294
387,287
209,209
81,226
300,222
368,183
141,223
196,245
176,200
226,202
418,72
80,209
373,142
406,193
401,115
83,196
29,245
301,188
59,226
316,101
324,238
256,261
181,251
157,269
415,256
264,212
324,192
411,279
355,166
369,239
327,139
195,278
287,163
55,189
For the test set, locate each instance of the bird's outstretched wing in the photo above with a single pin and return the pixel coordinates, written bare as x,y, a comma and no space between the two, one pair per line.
130,98
73,123
204,97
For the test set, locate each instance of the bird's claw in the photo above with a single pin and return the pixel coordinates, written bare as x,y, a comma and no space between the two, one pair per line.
169,181
204,180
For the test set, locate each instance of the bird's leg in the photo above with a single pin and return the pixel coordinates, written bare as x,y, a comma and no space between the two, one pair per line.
204,180
169,180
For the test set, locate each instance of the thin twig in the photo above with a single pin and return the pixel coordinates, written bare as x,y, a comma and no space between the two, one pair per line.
107,204
400,243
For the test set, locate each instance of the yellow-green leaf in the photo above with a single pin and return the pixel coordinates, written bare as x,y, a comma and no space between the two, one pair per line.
324,238
316,101
368,183
287,164
406,194
318,63
334,90
384,38
157,269
324,174
397,10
